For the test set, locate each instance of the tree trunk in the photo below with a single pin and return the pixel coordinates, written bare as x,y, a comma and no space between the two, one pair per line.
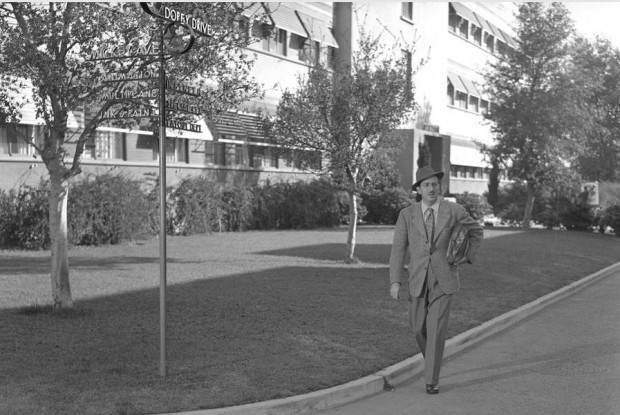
352,228
493,196
61,289
529,206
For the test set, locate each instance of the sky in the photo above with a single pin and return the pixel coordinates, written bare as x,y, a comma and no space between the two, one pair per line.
597,18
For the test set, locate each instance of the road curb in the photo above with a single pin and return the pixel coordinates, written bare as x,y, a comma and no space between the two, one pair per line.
402,371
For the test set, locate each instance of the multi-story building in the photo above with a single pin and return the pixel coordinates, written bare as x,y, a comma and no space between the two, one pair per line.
457,39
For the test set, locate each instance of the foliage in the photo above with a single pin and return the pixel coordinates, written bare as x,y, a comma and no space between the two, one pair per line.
348,115
475,204
533,114
56,56
109,209
594,71
24,219
611,217
383,206
297,205
578,215
194,207
609,194
237,215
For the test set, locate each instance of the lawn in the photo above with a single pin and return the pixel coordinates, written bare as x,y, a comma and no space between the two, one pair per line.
251,316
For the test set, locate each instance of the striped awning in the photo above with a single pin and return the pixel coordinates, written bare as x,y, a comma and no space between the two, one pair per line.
239,126
470,86
285,18
318,30
456,82
465,13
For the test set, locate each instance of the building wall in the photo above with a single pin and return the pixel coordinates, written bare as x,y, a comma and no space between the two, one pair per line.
438,121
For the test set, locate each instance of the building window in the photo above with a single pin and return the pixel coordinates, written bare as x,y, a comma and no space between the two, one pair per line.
258,157
209,153
13,140
409,63
453,171
489,42
502,49
309,51
473,103
276,43
453,21
484,106
180,145
461,100
450,93
476,34
407,11
464,28
108,145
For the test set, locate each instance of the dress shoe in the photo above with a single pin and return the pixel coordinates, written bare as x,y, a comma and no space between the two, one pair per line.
432,389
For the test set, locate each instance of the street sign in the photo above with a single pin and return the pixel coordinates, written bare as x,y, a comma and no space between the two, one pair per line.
592,189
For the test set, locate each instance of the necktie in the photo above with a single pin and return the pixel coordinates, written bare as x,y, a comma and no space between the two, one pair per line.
430,225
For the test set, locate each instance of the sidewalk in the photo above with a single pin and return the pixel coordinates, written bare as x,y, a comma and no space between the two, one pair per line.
562,360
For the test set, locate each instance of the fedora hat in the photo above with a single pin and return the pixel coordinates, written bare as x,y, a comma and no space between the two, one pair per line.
424,173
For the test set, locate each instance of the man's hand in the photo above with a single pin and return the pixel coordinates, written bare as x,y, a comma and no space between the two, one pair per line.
394,289
460,262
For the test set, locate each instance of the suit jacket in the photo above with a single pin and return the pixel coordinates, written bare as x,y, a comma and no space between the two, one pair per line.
410,238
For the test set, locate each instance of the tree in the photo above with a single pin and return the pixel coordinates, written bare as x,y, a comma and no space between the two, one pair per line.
533,114
52,51
595,73
347,118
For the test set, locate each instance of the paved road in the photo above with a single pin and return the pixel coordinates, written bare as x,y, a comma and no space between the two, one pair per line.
563,360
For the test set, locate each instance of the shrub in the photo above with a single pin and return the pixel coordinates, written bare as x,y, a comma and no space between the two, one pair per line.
24,222
297,205
578,215
108,209
236,214
475,204
611,217
383,206
195,206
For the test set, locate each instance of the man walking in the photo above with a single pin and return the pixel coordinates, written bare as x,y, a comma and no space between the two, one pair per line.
424,230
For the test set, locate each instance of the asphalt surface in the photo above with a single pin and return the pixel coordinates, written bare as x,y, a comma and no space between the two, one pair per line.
564,359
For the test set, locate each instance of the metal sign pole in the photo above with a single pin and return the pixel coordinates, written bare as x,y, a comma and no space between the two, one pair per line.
162,207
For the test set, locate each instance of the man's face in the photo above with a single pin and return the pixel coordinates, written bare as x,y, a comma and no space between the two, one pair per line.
429,189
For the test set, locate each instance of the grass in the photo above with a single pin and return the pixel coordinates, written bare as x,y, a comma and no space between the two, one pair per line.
251,316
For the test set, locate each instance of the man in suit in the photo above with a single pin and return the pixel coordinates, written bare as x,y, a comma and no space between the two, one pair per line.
423,230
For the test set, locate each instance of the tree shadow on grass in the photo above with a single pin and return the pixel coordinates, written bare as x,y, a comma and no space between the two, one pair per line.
20,265
368,253
259,335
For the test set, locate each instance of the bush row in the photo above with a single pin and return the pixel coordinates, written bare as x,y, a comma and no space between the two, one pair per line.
111,209
562,207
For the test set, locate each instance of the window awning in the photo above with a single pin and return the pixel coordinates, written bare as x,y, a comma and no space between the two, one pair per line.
285,18
466,156
483,23
456,82
470,86
318,30
511,42
496,32
465,13
239,126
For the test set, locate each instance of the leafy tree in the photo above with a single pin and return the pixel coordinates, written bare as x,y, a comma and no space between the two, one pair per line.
342,121
533,113
48,49
594,71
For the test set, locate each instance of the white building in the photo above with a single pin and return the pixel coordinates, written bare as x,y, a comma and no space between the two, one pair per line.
457,38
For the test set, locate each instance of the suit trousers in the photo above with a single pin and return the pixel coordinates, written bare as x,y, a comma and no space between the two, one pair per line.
428,320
